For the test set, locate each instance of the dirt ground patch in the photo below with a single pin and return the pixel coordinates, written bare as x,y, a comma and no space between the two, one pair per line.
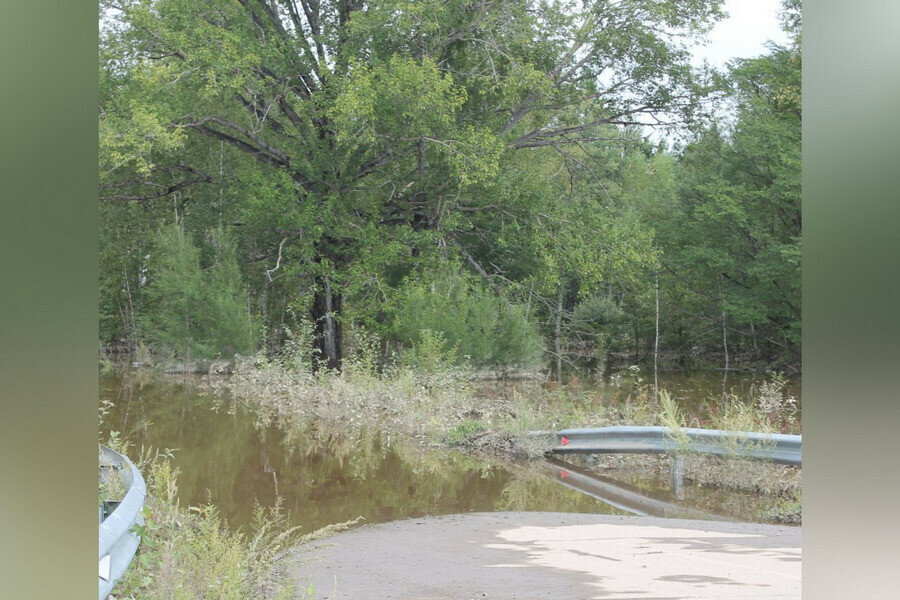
563,556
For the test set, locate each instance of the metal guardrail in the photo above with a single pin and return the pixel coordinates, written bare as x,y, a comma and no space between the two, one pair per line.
118,543
776,447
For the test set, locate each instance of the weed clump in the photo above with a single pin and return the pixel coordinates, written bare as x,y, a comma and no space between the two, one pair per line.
672,417
776,406
788,511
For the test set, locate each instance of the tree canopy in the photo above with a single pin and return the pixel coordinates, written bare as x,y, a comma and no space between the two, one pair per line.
353,149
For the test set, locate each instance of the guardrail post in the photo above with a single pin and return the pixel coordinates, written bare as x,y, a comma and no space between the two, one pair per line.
676,475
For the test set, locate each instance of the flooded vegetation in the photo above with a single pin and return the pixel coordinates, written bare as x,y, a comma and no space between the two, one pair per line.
333,451
232,458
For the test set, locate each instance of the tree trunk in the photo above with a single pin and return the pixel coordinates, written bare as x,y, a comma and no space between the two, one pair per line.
637,343
557,338
724,343
328,334
656,346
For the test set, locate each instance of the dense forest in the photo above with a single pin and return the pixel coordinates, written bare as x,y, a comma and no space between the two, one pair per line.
501,182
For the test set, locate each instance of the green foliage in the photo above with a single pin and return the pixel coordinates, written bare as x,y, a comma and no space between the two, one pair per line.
231,329
356,147
364,360
177,293
297,350
353,140
197,313
453,319
597,313
731,234
517,339
598,318
462,432
125,237
430,353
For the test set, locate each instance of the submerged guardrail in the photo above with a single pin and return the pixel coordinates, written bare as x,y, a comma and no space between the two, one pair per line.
775,447
118,541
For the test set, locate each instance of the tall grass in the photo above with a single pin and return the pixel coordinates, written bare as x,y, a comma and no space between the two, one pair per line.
672,417
192,554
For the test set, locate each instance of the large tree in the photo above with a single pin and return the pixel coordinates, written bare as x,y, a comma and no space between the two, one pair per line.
369,125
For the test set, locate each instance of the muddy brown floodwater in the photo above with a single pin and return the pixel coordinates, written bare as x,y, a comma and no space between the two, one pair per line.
227,457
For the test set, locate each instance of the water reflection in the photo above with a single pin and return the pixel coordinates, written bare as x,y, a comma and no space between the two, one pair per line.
325,474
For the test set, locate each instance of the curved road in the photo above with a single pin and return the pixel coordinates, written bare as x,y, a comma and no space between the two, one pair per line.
563,556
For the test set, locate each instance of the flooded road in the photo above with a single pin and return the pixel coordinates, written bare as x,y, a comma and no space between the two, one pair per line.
229,458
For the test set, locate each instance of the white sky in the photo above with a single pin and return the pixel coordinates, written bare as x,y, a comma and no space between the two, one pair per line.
744,33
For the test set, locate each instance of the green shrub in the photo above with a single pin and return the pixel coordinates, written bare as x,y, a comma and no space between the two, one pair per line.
176,295
474,324
517,341
461,432
197,313
598,319
229,327
596,314
430,353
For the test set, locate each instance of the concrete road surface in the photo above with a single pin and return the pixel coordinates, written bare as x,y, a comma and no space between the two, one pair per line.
561,556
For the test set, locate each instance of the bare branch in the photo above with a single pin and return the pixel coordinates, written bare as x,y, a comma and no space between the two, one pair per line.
275,153
277,262
261,112
166,190
484,274
260,155
311,10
